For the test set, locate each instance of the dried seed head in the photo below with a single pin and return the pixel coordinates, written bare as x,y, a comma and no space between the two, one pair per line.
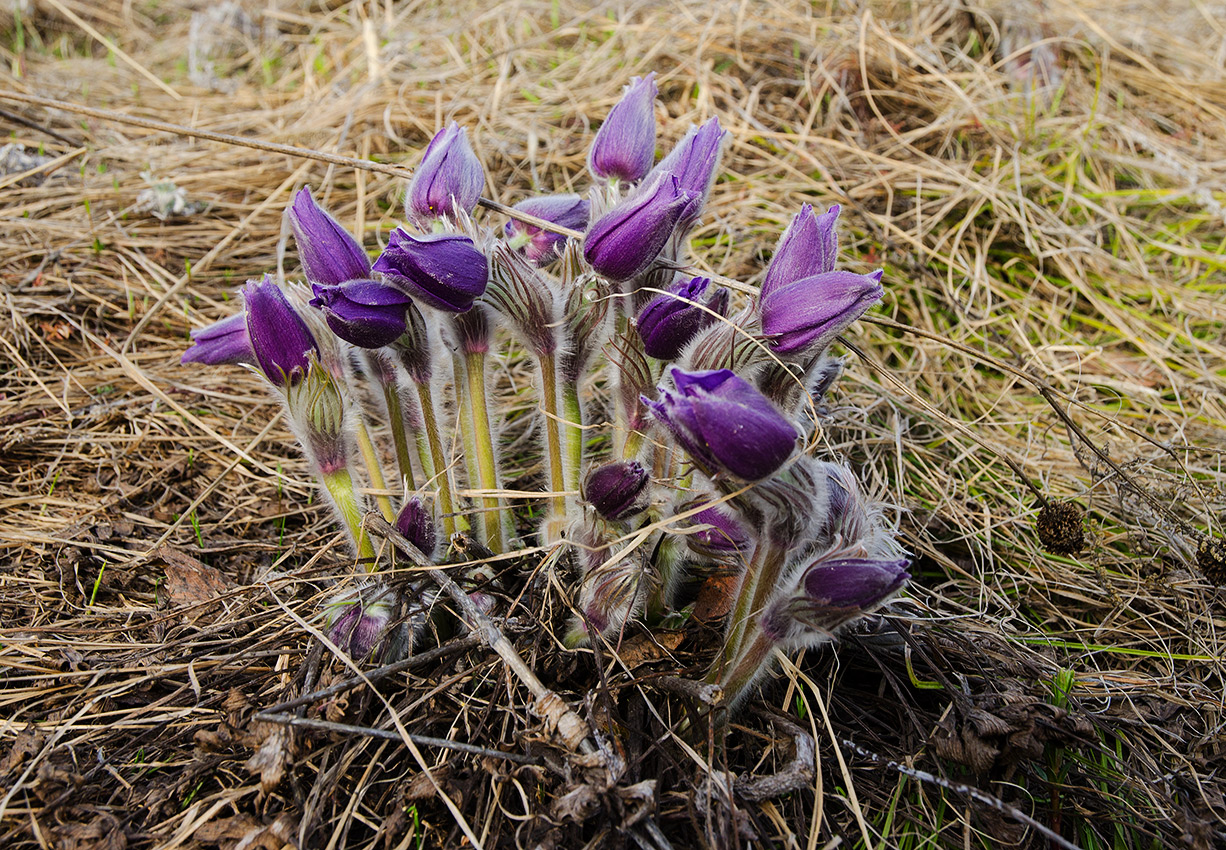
1211,558
1060,530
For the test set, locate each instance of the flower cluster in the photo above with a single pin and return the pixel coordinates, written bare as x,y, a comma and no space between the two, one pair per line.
702,470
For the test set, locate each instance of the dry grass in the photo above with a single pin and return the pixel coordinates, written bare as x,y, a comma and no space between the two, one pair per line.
163,557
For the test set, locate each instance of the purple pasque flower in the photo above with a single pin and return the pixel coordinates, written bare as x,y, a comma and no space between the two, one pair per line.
448,180
669,321
443,270
625,144
357,622
809,246
725,423
328,253
613,489
625,241
727,536
806,315
280,339
694,162
416,523
225,341
366,313
543,246
830,591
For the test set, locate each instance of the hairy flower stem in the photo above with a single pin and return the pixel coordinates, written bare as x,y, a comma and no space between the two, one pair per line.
438,462
553,440
487,462
745,668
374,470
572,411
763,570
339,484
395,412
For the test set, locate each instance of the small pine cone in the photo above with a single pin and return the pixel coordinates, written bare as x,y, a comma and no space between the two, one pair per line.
1060,528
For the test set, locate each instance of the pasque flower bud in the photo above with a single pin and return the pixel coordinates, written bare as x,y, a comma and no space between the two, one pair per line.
805,316
809,246
613,489
670,321
625,145
448,180
726,537
280,339
225,341
694,162
445,271
366,313
416,523
627,239
357,622
328,253
542,246
724,423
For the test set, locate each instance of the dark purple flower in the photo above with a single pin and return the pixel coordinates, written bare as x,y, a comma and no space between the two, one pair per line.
625,145
542,246
221,342
613,489
443,270
670,321
280,339
808,247
356,626
328,253
417,525
725,423
808,314
366,313
449,178
726,536
627,239
829,592
694,162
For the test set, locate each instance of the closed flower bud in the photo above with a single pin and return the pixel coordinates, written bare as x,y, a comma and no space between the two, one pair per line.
805,316
809,246
280,339
543,246
360,627
694,162
613,489
221,342
328,253
725,423
830,591
445,271
725,537
670,321
365,313
625,145
627,239
417,525
448,180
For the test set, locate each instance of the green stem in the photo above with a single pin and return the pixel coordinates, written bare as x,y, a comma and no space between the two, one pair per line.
375,471
553,440
340,488
763,570
572,409
395,412
745,669
438,463
487,463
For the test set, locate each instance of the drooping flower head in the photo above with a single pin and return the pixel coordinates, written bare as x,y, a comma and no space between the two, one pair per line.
829,592
724,423
805,316
448,180
358,623
365,313
225,341
671,320
726,536
328,253
625,144
623,242
416,523
445,271
280,339
543,246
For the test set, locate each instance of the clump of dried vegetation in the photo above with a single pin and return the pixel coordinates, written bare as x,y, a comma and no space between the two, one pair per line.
1043,185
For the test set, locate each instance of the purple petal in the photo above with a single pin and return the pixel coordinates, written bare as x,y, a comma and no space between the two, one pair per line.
445,271
225,341
807,314
328,253
809,246
625,145
280,339
626,240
